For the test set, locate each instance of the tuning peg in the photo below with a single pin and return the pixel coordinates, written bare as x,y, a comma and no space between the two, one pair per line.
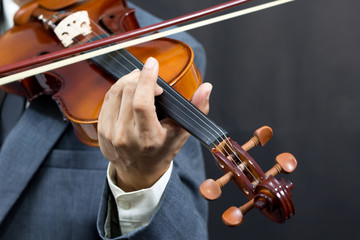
285,162
234,216
261,137
211,189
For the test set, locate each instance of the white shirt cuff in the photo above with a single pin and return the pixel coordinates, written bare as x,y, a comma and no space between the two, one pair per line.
136,208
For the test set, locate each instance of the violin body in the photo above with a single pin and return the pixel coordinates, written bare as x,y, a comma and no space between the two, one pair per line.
86,79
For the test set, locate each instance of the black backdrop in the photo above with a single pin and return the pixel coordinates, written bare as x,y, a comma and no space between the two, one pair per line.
295,68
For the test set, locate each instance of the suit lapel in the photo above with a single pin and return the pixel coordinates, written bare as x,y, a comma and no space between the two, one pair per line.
25,149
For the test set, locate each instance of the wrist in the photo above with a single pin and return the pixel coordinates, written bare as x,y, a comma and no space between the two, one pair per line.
133,178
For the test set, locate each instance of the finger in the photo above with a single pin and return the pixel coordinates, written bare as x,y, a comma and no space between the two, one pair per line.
201,97
144,109
158,90
110,108
174,130
126,110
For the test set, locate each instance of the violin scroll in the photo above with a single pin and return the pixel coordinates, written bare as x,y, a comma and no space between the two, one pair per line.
269,195
273,199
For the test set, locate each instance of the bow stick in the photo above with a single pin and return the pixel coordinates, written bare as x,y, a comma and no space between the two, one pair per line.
108,49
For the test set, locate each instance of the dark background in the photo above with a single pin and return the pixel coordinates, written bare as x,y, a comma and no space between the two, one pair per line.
295,68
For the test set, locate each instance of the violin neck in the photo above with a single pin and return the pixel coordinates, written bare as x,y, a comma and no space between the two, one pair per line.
170,102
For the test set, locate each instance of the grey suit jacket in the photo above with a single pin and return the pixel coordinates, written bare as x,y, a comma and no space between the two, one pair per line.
54,187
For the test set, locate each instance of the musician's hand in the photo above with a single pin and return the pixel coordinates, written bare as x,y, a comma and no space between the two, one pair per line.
130,135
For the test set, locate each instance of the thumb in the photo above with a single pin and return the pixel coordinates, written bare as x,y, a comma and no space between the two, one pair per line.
201,101
201,97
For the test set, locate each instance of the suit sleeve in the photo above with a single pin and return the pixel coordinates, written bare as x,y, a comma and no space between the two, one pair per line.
182,213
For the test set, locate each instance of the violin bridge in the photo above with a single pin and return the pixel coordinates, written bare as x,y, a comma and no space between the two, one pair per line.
75,24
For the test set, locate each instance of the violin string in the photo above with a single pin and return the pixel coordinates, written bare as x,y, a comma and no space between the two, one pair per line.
116,60
128,60
226,141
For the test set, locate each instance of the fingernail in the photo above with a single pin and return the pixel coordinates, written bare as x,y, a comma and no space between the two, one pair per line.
150,62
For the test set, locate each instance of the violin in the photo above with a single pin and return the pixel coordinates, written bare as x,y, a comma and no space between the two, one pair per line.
50,26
